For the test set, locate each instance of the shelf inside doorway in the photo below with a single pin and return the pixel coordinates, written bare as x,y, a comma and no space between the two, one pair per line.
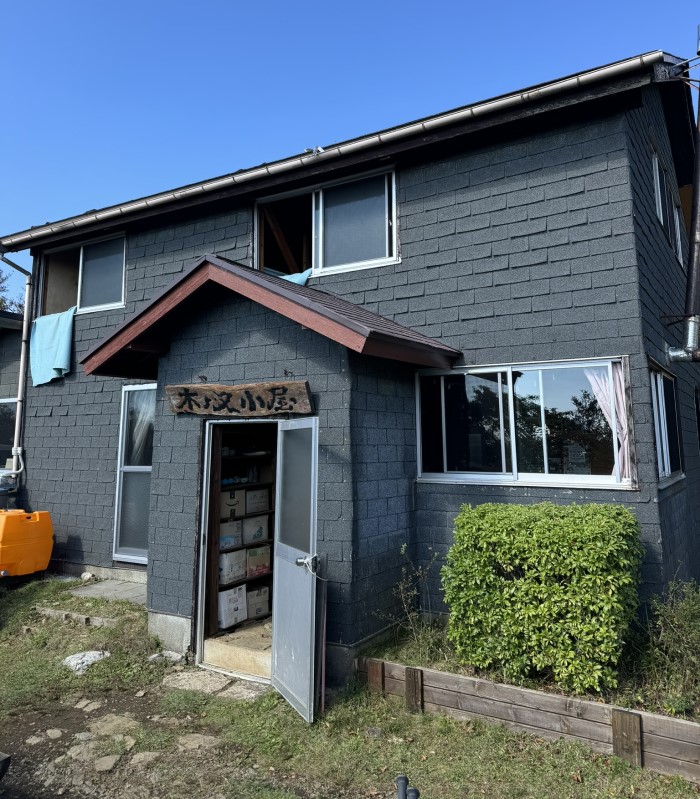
246,546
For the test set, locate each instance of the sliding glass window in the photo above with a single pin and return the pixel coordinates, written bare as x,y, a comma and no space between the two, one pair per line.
536,423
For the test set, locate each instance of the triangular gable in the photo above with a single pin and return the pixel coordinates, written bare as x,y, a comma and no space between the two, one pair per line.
134,348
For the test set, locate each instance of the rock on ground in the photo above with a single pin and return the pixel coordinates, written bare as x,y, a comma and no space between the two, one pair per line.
197,741
112,724
244,690
206,682
81,661
106,763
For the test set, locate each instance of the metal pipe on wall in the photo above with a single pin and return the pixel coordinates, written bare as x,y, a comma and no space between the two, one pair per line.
689,351
17,459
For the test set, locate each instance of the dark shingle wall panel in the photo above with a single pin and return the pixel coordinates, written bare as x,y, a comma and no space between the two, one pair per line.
662,281
384,467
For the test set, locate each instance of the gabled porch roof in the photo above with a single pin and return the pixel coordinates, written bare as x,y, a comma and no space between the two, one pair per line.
133,349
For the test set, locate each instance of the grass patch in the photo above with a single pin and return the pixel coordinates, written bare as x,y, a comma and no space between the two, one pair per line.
153,739
183,703
246,789
31,661
364,741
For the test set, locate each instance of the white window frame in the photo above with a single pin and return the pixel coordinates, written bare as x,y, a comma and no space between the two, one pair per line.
660,413
673,235
656,165
89,308
515,477
678,238
316,195
125,555
109,305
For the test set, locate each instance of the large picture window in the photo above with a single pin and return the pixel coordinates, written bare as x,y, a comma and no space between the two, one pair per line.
536,423
134,473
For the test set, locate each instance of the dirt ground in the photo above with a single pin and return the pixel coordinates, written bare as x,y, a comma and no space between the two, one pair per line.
83,748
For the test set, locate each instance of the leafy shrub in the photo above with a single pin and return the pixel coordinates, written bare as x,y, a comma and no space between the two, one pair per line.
543,590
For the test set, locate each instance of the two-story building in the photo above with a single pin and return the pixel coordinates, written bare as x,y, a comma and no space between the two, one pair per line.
491,294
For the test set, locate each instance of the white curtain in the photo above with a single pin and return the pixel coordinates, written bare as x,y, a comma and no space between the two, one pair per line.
600,385
140,432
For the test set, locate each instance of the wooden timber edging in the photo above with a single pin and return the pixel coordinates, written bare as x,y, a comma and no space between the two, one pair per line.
667,745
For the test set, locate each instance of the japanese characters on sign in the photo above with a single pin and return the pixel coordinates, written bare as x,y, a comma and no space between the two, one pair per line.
238,402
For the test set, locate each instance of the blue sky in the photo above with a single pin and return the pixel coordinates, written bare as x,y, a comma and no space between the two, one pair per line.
105,102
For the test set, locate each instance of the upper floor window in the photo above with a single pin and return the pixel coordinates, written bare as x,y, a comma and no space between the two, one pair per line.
541,423
667,209
666,427
340,226
90,276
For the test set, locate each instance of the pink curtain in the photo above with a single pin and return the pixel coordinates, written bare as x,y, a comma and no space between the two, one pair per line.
598,378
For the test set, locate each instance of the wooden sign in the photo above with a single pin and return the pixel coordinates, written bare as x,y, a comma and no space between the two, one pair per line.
241,402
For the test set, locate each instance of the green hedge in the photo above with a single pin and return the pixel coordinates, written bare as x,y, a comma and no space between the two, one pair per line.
543,590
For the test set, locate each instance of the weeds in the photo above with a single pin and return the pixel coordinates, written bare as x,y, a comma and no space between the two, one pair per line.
661,667
422,637
32,648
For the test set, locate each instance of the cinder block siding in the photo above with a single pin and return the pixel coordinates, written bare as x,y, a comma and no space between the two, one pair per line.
384,467
72,427
521,252
234,340
662,283
10,343
437,506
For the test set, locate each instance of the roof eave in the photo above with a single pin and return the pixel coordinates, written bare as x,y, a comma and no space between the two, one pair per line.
108,357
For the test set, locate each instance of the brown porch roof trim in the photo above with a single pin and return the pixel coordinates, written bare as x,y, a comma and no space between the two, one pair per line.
350,325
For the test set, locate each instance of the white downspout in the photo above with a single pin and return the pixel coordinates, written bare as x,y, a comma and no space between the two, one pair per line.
17,449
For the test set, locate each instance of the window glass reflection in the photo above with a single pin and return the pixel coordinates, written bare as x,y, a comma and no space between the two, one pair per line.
579,438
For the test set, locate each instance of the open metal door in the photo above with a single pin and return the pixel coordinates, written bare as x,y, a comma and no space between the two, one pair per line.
295,563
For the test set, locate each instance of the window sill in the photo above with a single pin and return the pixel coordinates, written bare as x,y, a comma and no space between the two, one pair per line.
336,270
98,308
118,558
525,483
667,482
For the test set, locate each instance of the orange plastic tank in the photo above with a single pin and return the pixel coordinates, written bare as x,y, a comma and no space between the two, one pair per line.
26,542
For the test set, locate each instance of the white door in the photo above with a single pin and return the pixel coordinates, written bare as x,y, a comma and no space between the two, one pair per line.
294,587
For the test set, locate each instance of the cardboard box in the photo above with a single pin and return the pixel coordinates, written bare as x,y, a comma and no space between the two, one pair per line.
232,566
255,529
233,607
258,560
232,504
257,500
230,535
258,603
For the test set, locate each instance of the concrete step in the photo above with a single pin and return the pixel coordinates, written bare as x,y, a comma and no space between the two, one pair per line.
247,650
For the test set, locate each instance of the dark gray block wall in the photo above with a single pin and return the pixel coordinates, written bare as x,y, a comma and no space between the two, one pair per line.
383,462
522,252
662,281
72,426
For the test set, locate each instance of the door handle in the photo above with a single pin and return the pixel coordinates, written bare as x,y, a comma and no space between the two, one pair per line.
309,562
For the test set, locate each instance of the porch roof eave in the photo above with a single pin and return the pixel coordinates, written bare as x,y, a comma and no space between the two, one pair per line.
133,349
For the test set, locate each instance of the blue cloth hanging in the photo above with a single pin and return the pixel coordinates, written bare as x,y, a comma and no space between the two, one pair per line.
50,346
